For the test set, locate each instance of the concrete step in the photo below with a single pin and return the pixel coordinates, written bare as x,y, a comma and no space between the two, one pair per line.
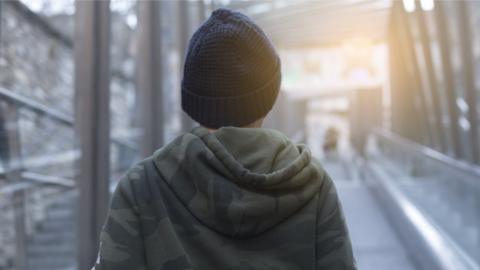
51,250
53,244
51,263
60,213
58,225
45,237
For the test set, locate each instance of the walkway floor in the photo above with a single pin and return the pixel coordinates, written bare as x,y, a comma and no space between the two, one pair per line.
375,243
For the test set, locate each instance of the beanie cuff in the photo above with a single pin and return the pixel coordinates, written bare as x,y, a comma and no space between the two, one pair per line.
216,112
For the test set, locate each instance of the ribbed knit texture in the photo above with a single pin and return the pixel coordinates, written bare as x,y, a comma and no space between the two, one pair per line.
231,73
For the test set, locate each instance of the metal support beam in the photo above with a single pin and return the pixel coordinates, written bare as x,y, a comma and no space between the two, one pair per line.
1,8
418,91
11,155
396,74
184,32
149,72
445,49
432,79
404,119
202,9
469,72
92,123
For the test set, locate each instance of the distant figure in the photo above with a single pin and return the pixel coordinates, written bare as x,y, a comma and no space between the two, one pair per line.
358,139
229,194
330,142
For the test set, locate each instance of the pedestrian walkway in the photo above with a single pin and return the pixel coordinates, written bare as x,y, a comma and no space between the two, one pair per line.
375,243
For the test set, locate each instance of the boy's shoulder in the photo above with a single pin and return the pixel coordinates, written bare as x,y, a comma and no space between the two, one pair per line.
134,183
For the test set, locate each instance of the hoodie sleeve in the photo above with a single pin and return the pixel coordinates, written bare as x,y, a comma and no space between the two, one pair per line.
121,241
333,246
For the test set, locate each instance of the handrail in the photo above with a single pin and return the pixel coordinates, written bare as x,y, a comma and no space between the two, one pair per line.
41,109
12,188
48,179
418,149
430,241
35,106
31,180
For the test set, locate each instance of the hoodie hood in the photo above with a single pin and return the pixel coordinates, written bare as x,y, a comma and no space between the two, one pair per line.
239,182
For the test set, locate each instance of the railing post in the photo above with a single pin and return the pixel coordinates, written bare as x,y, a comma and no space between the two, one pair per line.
10,140
92,121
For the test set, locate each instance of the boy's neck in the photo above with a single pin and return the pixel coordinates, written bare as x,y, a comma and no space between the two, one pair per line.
257,124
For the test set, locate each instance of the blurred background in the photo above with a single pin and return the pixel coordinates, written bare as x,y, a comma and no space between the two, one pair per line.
386,93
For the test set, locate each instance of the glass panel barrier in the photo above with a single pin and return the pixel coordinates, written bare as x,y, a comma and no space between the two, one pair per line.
444,189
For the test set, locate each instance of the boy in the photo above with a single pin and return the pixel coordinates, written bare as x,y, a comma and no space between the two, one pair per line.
229,194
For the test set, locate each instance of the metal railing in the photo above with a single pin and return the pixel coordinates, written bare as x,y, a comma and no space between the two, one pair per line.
40,109
402,146
25,196
437,193
23,204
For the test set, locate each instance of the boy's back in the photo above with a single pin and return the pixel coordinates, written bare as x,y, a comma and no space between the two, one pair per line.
236,198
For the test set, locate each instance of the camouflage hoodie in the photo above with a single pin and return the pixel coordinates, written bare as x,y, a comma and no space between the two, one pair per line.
236,198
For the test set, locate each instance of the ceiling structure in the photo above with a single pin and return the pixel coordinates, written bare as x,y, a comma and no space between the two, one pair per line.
311,23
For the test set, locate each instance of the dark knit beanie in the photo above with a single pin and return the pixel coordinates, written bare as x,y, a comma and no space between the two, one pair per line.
232,72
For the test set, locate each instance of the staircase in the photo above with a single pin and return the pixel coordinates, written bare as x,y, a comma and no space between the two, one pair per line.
52,246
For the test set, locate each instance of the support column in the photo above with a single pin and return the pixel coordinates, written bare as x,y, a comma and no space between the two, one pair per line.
10,153
445,50
432,79
92,123
149,76
184,32
405,120
202,9
414,73
1,8
401,105
469,72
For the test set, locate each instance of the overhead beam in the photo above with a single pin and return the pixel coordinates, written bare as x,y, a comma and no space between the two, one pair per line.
92,123
298,38
319,7
367,27
323,19
350,19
